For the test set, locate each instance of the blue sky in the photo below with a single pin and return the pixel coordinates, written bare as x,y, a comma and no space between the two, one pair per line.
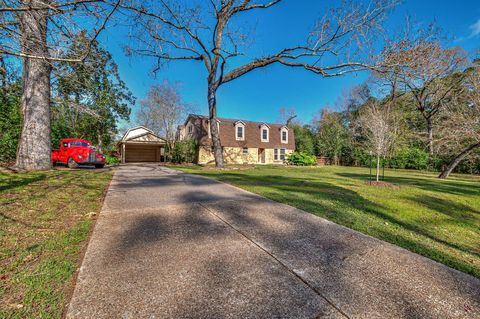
259,95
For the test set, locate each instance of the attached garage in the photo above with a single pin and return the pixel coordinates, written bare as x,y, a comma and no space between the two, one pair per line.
140,144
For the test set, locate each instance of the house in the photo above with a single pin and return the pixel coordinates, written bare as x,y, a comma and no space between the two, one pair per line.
140,144
243,142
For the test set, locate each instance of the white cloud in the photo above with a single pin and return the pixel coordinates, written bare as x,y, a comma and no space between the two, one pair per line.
475,28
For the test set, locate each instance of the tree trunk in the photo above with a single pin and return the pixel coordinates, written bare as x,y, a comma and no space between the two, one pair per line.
99,141
212,116
457,160
34,148
378,167
430,136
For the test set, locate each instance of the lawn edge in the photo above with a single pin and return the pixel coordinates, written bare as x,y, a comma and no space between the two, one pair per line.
73,281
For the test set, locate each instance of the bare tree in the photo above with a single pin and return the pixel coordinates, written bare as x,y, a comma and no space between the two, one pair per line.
426,71
375,123
287,115
163,110
462,120
180,30
38,32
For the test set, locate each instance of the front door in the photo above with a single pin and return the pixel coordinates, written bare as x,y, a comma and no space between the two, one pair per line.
261,155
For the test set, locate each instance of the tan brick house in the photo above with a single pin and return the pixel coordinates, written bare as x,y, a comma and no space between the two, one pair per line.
243,142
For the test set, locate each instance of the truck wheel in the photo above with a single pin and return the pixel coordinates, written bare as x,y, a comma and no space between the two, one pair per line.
72,163
99,165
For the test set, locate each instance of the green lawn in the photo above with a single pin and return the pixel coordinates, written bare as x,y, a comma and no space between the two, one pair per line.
436,218
45,219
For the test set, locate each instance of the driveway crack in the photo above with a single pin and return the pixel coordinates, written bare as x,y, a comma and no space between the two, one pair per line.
290,270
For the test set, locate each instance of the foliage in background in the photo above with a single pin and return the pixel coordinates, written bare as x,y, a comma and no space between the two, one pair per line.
301,159
89,98
332,135
456,126
184,151
10,119
304,138
410,158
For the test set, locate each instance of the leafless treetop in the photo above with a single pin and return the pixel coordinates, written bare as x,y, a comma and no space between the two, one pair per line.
186,30
65,20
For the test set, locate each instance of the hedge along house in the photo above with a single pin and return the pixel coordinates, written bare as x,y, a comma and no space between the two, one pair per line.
243,142
140,144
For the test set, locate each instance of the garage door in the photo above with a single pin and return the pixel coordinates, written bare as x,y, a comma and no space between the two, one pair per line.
140,153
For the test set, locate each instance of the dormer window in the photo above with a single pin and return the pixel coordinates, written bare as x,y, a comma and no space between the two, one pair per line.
239,131
284,135
264,133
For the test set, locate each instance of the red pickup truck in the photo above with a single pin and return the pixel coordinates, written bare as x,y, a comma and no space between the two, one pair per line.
75,151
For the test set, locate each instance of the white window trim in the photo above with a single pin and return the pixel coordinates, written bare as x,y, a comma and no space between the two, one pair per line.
190,128
264,127
237,125
243,151
283,129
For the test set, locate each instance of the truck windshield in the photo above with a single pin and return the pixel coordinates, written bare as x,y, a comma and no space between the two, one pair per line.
79,144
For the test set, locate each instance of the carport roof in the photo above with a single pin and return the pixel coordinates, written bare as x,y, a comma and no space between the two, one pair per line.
141,135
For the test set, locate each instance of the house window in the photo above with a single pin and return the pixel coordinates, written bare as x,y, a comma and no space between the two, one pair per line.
284,135
190,129
245,151
240,131
264,133
279,154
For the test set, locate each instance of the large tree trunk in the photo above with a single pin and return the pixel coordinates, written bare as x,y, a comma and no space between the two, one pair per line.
457,160
34,148
212,116
430,136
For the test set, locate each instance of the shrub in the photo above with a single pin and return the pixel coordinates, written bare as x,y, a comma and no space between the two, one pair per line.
111,160
360,157
301,159
184,151
410,158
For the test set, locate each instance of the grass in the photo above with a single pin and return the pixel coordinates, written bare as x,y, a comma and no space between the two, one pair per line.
45,220
439,219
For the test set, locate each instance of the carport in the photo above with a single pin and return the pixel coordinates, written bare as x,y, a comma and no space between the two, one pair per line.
140,144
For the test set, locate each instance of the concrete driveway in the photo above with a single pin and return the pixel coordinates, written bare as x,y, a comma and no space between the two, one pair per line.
173,245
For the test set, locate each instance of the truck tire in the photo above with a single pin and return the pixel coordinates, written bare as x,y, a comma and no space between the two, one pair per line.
71,163
99,165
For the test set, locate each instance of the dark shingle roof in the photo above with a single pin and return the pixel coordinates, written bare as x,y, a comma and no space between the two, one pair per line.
252,133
